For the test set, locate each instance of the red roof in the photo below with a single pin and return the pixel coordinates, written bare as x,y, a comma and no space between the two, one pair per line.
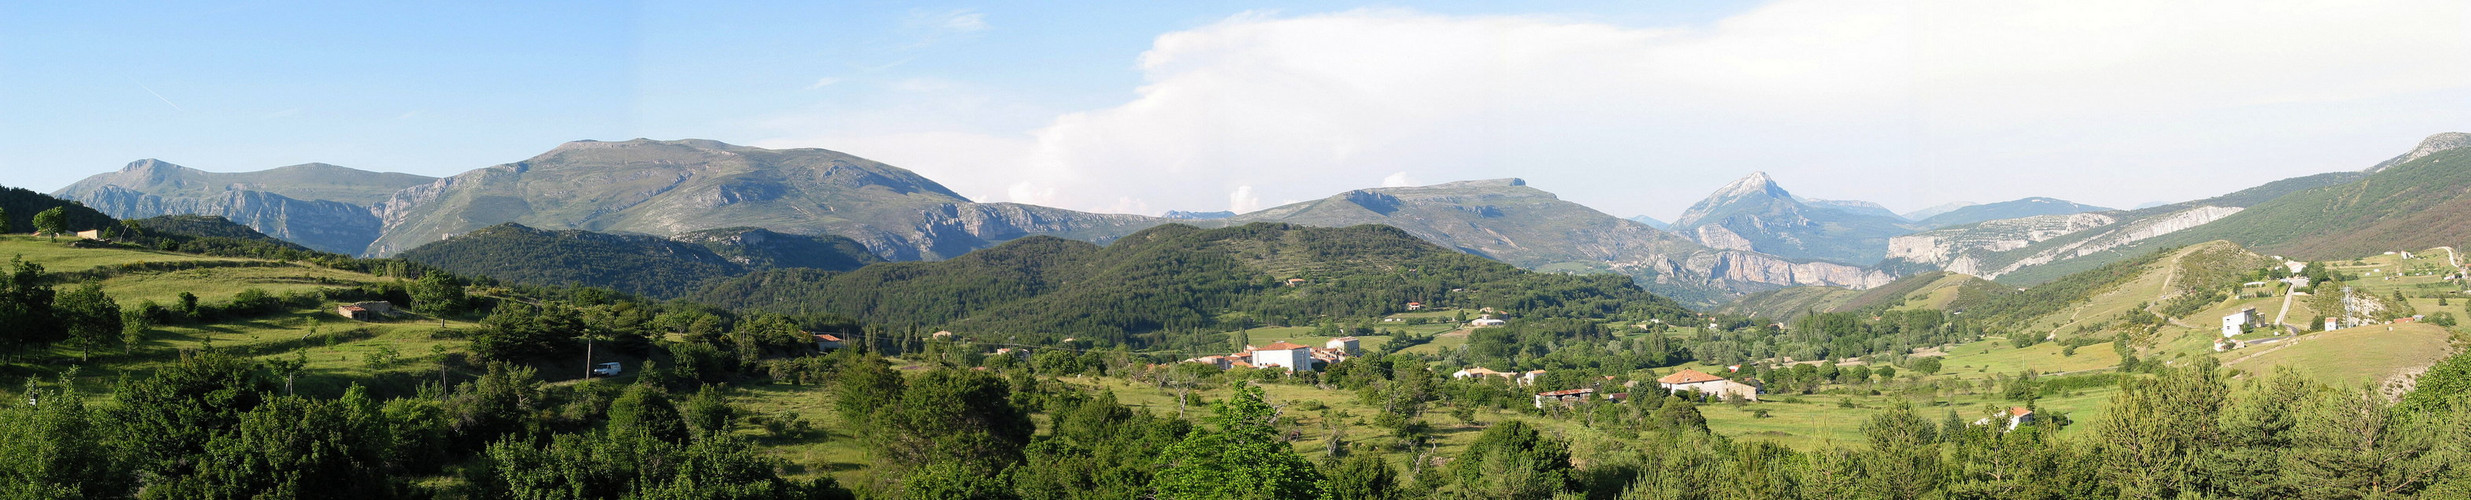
827,337
2019,411
1688,376
1281,346
355,309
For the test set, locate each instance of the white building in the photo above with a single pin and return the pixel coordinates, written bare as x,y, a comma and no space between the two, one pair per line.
1486,321
1283,354
2237,323
1342,344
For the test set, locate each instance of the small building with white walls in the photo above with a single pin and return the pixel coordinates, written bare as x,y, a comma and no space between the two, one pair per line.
1486,321
2237,323
1287,355
1342,344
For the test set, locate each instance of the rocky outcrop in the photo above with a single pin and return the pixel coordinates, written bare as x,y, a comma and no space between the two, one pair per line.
1960,249
2429,146
318,224
317,205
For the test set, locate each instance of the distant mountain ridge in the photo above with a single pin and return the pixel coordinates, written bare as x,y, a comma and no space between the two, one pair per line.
2027,207
321,206
1507,220
673,187
1756,214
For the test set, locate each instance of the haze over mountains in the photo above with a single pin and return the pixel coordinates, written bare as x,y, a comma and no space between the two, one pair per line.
1748,236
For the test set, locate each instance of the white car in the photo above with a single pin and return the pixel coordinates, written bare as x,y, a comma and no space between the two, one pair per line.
609,369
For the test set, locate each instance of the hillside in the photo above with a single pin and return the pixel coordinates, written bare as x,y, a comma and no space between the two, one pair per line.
2027,207
321,206
1931,290
2421,203
1755,214
1148,286
639,264
668,188
23,204
2037,249
1507,220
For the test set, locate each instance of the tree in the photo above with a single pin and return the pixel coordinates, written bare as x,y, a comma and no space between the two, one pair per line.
93,319
1359,477
1926,366
50,449
956,416
26,307
1237,456
5,226
1512,460
1902,461
708,412
643,409
51,223
437,294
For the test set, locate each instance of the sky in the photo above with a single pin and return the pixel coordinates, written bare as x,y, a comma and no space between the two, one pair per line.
1143,107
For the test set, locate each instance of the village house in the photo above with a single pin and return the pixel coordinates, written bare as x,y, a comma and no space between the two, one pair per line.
1415,306
1486,321
2238,322
2013,417
366,311
1529,378
1291,356
90,234
1694,380
1342,344
827,342
1295,281
1477,371
1564,397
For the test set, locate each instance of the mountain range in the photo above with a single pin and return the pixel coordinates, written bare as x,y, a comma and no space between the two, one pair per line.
1748,236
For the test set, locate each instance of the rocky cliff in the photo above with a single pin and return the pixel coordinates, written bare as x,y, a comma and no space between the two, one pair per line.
321,206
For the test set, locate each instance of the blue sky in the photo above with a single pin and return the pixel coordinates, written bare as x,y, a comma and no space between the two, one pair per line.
1631,107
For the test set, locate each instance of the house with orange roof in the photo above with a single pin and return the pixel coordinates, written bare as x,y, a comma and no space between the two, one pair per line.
1694,380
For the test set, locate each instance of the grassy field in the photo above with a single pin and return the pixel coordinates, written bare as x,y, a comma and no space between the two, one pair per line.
2349,357
1997,355
1819,421
59,257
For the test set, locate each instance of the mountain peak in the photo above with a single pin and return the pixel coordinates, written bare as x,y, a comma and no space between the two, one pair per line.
2428,146
1755,183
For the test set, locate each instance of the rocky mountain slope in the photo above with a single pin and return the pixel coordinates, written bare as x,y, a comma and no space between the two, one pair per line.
321,206
1755,214
2415,200
1507,220
1930,290
668,188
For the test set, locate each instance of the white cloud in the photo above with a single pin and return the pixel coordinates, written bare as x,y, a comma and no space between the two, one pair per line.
1242,200
823,82
1397,180
1909,103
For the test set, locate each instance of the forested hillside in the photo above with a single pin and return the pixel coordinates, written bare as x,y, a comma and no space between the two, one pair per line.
638,264
1180,279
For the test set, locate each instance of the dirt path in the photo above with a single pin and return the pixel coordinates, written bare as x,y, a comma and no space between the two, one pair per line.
2286,306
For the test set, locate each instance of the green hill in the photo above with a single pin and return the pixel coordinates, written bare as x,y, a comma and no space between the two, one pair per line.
1931,290
2421,203
640,264
23,204
1175,279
